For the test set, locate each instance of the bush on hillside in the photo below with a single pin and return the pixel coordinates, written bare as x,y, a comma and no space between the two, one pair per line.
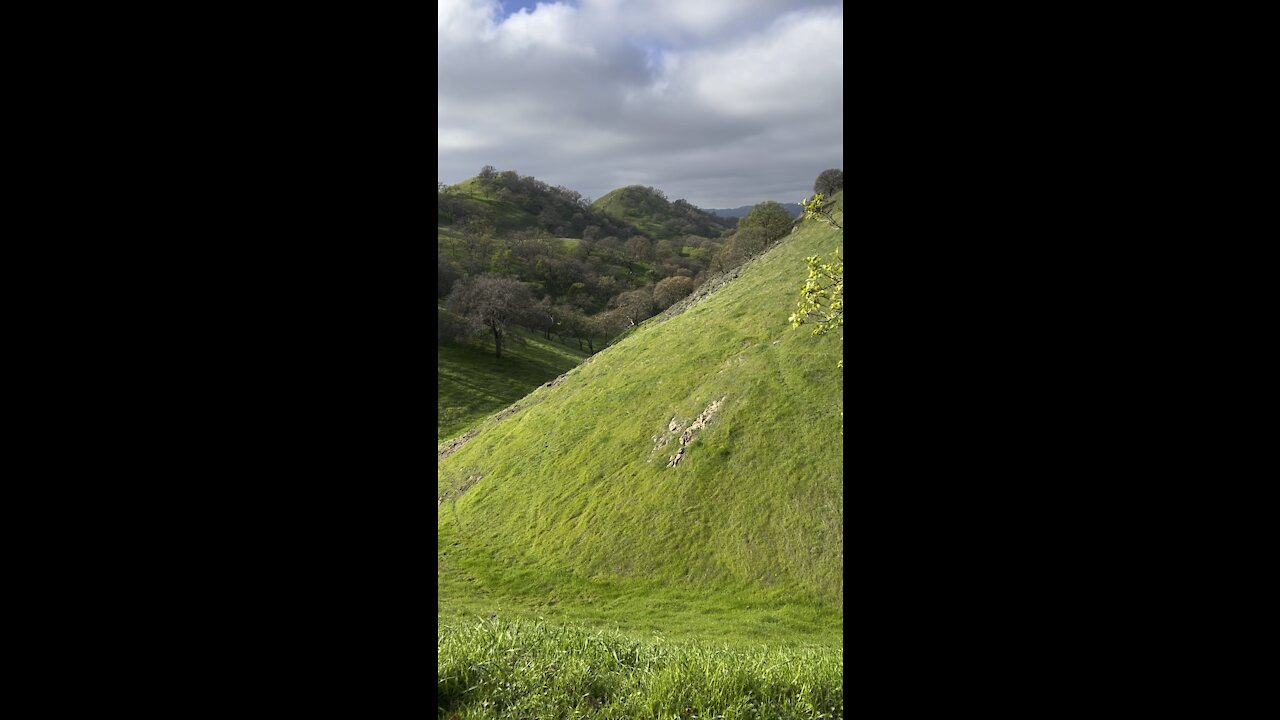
672,290
771,216
744,244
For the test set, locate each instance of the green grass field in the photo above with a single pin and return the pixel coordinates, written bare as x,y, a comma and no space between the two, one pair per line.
497,669
474,383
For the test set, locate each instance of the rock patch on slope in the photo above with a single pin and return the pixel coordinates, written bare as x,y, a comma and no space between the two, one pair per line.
690,432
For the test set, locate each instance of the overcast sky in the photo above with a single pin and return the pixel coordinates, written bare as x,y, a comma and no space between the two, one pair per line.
721,102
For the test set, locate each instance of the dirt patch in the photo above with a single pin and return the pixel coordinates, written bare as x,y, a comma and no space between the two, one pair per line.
690,432
453,445
555,382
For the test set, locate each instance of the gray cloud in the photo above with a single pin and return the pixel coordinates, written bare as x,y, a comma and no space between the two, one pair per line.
721,102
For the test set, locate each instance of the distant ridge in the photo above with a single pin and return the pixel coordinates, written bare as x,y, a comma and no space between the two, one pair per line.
793,208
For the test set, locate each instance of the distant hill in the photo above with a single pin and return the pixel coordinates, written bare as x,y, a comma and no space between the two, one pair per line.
649,210
514,202
793,208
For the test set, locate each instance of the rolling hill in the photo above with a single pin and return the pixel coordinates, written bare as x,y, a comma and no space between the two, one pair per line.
650,211
513,202
688,480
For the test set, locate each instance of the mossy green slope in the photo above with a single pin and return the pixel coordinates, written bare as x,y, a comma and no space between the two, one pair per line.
506,216
568,506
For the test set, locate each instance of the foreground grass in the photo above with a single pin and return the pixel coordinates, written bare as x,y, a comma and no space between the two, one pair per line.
493,668
471,584
474,383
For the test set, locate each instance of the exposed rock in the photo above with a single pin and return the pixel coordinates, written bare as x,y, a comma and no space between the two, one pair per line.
676,458
698,423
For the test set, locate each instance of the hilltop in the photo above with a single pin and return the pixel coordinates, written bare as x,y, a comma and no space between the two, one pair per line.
649,210
690,473
512,202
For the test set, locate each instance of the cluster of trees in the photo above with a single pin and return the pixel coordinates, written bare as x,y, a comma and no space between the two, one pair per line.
559,210
589,274
766,223
555,209
491,305
612,278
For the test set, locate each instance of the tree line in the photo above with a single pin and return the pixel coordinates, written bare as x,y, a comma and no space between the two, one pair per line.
590,288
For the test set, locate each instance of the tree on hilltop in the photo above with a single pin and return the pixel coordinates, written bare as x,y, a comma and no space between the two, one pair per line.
829,182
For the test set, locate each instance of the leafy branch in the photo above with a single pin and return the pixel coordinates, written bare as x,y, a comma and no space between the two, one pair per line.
822,295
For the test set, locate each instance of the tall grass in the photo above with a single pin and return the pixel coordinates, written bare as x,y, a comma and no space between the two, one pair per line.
499,669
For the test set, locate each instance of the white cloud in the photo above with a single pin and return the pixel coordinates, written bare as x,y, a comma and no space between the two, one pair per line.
463,20
718,102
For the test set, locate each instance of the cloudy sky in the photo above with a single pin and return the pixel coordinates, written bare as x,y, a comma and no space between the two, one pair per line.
721,102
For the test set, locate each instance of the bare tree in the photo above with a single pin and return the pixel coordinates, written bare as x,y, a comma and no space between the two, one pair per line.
495,302
636,305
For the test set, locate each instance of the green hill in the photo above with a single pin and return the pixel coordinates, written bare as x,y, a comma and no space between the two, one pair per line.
512,202
649,210
471,197
687,481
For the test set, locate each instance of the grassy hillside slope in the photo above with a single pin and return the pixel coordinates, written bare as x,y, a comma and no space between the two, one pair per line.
506,216
474,383
567,507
